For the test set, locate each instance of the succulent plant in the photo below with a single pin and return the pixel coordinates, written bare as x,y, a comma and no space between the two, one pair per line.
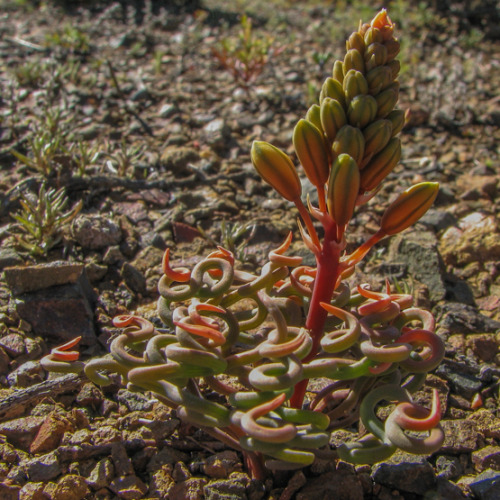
238,349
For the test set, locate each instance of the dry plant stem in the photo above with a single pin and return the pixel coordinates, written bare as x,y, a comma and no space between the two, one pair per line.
328,271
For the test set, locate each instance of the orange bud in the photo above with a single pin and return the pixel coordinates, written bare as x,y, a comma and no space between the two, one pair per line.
310,148
408,207
277,169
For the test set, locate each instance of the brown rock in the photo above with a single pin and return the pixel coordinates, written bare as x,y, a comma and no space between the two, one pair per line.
177,158
461,436
50,433
32,278
342,484
487,458
486,423
222,464
121,461
13,344
101,475
20,432
9,491
70,487
191,489
128,487
32,491
161,482
476,238
483,345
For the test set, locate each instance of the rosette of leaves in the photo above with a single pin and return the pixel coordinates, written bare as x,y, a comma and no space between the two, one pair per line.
238,349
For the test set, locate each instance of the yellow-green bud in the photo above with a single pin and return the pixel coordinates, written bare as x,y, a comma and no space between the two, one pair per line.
381,165
313,116
311,150
332,117
362,110
356,41
397,117
338,72
377,135
373,35
343,189
332,88
354,60
392,47
354,84
408,207
277,169
386,101
349,140
375,55
394,66
378,79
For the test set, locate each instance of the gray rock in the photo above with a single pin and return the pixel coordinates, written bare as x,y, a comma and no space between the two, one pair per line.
416,477
9,257
486,486
101,474
27,374
233,488
217,134
13,344
463,318
134,401
461,436
133,278
177,158
448,467
32,278
438,220
461,382
43,468
20,432
419,251
95,232
167,110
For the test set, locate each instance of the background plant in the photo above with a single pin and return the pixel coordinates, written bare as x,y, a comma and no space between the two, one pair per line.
239,348
246,55
42,219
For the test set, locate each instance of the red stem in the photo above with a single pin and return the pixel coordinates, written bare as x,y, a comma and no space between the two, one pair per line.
328,271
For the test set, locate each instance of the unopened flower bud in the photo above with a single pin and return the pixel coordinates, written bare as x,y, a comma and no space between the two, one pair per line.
394,66
384,24
338,71
333,89
311,150
313,116
356,41
375,55
397,117
362,110
377,135
343,189
392,47
408,207
386,101
378,79
332,117
381,165
277,169
354,84
373,35
354,60
349,140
